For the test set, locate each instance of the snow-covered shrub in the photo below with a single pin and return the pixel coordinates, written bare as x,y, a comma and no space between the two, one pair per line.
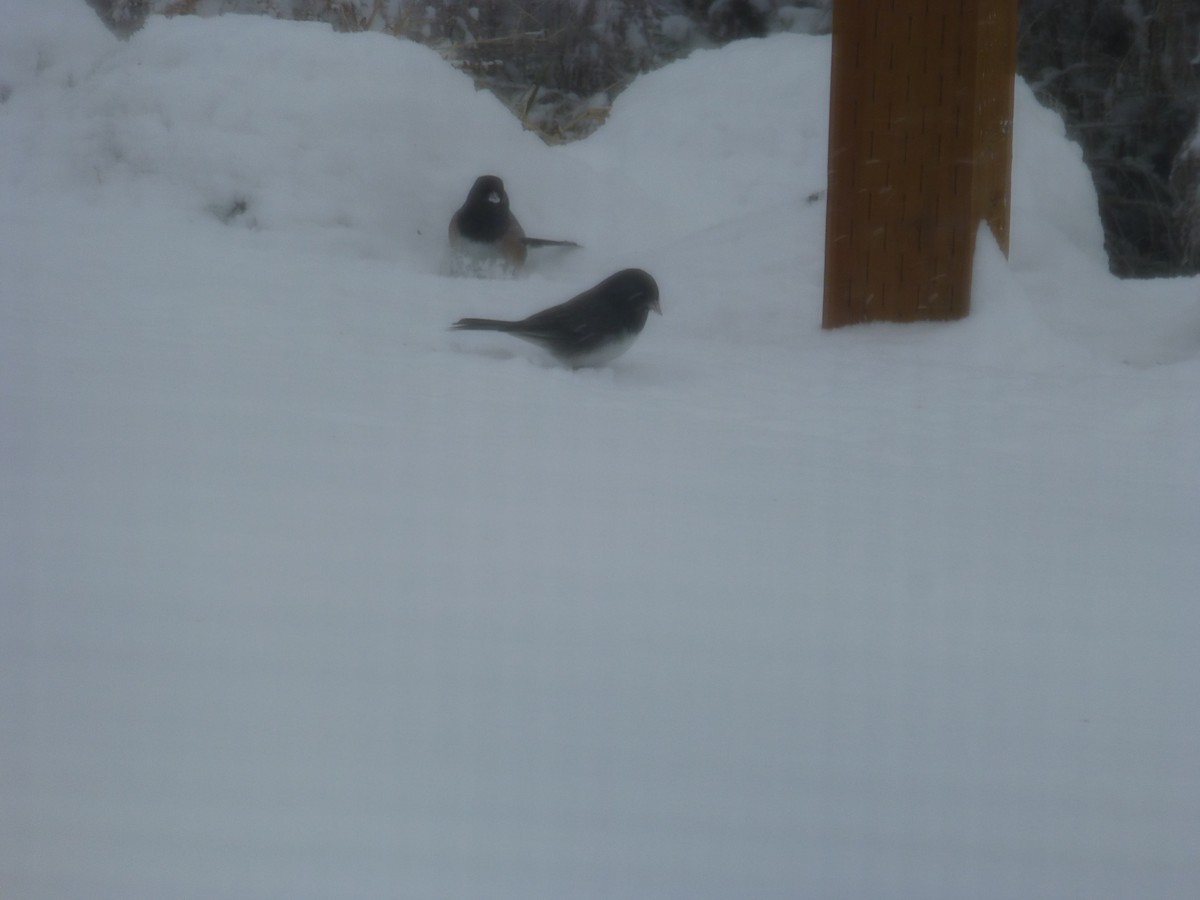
1123,73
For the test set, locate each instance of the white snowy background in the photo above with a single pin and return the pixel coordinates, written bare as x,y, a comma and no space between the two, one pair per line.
305,596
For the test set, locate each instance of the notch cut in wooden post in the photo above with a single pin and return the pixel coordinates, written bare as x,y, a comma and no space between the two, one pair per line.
920,152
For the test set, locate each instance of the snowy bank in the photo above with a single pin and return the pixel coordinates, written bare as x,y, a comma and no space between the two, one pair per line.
305,596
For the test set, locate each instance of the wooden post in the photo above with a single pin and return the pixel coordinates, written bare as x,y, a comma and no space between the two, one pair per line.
920,152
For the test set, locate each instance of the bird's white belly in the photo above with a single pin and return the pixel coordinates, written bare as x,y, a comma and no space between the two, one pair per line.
605,354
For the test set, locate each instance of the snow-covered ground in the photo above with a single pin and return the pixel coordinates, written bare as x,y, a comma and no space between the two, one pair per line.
304,595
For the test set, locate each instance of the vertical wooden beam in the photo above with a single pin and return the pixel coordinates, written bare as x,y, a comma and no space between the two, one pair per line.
995,78
920,151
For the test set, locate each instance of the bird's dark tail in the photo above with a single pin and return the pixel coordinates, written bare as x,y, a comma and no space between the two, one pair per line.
482,325
543,242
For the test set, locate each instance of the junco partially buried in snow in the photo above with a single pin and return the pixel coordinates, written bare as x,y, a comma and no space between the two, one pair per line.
590,329
484,230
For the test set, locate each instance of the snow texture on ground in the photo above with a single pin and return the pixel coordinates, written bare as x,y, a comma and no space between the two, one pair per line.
306,596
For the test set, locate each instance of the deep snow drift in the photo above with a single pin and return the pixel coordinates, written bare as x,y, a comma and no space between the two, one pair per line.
306,596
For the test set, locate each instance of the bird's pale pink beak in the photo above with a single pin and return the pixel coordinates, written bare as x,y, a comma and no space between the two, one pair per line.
654,306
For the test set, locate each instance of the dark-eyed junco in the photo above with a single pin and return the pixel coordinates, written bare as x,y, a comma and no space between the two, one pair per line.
484,229
590,329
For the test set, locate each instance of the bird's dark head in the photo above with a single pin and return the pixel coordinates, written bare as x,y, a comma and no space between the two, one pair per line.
636,287
485,216
488,191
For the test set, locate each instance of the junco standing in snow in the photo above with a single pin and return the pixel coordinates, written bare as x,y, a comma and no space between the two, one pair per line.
590,329
484,230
